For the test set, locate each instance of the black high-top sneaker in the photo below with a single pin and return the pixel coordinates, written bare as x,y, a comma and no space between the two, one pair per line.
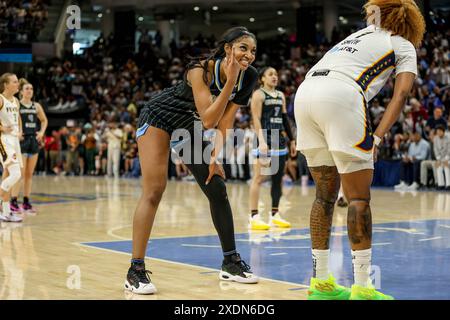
235,269
138,280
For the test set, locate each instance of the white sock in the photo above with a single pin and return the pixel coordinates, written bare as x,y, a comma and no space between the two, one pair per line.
362,260
341,193
320,263
6,208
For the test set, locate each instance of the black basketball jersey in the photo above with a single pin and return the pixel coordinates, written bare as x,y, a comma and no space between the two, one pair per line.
29,119
271,115
174,107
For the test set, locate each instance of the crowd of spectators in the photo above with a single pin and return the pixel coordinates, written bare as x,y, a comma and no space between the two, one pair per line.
22,20
113,87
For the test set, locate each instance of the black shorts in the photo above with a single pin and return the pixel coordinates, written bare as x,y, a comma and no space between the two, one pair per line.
164,117
29,145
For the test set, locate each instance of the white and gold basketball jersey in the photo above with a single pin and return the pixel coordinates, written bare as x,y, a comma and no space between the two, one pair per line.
9,115
369,56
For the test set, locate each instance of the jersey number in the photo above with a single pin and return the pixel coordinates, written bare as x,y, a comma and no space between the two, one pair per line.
277,111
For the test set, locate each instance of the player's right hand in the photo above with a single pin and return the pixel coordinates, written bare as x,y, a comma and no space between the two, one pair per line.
263,149
264,157
232,67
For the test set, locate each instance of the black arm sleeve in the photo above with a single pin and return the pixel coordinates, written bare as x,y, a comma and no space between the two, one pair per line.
287,126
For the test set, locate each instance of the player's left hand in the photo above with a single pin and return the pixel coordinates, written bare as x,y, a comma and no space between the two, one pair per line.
215,169
39,136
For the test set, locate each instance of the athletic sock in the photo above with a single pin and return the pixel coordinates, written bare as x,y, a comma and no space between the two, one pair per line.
254,213
26,200
138,263
320,263
227,256
274,211
361,260
6,208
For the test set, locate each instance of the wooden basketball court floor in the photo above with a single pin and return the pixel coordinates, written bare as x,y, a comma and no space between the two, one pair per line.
78,244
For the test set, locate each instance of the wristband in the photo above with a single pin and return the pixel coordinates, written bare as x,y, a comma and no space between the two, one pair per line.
376,140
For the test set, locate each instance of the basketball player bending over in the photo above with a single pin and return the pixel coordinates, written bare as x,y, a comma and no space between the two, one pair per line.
213,89
336,138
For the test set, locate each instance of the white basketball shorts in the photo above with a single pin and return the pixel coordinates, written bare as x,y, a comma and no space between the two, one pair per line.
10,150
333,125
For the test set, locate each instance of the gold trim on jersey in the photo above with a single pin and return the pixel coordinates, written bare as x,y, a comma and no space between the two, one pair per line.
383,64
2,150
366,143
3,104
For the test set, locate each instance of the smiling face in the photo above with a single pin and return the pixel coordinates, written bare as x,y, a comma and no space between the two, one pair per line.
270,78
244,51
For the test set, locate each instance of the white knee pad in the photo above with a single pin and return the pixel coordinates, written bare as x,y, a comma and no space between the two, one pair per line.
13,178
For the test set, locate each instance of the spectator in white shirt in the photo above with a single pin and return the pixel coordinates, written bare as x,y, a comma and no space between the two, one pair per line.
113,135
442,153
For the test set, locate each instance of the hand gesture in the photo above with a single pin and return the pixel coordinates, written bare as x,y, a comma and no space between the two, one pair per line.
232,67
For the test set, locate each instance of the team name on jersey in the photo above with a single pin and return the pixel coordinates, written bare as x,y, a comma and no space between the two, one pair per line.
26,111
11,109
271,102
276,120
347,45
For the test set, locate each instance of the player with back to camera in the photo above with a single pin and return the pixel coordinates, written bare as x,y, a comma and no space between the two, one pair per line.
10,131
270,120
212,90
336,138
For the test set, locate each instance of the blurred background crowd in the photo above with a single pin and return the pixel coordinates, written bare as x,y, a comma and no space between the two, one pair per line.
111,87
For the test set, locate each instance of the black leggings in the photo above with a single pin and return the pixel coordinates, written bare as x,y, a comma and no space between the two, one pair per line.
277,180
216,193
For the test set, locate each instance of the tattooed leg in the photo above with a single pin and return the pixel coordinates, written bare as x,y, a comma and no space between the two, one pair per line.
359,224
359,220
327,187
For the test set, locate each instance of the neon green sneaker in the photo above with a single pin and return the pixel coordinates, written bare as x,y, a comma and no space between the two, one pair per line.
369,293
327,290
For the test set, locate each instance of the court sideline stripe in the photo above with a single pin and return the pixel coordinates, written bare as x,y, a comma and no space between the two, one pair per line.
186,264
